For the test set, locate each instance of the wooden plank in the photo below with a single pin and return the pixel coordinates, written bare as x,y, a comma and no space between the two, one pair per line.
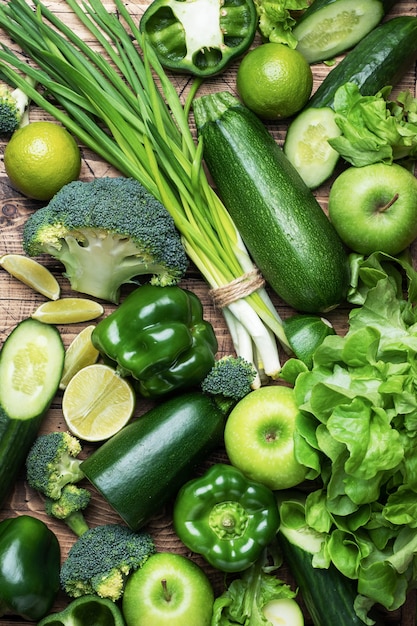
18,301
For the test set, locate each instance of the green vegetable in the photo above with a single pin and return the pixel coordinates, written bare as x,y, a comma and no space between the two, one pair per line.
30,560
374,129
157,453
199,37
230,377
305,334
277,19
102,558
69,507
226,517
31,363
140,126
52,462
329,27
378,60
14,109
356,430
329,595
86,610
106,233
246,597
159,337
302,258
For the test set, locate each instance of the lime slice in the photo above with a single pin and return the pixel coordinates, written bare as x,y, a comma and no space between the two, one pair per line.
97,403
68,311
79,354
31,273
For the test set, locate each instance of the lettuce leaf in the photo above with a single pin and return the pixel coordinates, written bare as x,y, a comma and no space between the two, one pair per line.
357,434
276,19
374,128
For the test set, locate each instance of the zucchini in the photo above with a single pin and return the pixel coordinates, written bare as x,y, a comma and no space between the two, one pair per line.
328,595
329,27
31,364
286,231
378,60
141,467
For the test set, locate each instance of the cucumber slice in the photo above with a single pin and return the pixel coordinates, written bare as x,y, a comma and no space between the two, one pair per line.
333,27
307,148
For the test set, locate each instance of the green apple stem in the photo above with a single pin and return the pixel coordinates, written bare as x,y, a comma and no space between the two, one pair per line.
167,595
390,203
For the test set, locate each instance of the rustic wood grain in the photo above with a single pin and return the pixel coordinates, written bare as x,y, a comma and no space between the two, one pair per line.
18,301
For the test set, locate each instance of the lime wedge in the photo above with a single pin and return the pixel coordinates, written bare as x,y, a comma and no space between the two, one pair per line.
31,273
79,354
68,311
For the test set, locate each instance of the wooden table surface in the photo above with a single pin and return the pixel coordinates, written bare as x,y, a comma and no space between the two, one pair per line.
18,302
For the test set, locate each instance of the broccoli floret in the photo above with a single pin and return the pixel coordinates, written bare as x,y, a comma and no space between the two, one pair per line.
101,559
69,507
14,108
106,232
229,380
52,463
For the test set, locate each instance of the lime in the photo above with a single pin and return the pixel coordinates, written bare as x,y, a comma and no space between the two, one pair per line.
274,81
31,273
68,311
40,158
80,353
97,403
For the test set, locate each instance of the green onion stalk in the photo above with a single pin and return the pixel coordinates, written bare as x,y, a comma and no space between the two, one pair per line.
115,97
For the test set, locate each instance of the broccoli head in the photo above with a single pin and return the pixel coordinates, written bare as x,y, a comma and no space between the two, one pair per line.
13,110
106,233
229,380
69,507
101,559
52,463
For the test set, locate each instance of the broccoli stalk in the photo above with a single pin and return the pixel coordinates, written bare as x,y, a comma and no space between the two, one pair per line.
52,463
230,379
106,233
14,108
102,558
69,508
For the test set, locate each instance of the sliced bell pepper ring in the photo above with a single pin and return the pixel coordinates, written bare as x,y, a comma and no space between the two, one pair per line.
86,610
199,37
30,562
158,337
226,517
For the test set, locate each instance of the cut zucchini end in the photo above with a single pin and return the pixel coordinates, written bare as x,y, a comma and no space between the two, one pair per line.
336,27
307,148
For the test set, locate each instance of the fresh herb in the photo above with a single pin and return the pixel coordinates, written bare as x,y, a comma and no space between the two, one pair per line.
277,19
108,96
374,128
357,434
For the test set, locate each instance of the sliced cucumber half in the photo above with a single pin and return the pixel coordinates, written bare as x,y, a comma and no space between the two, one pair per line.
306,145
335,26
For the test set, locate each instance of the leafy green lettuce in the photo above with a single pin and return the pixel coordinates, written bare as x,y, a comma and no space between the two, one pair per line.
374,128
357,434
243,600
276,19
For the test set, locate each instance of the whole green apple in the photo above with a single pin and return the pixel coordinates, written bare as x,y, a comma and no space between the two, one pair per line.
168,589
259,437
374,208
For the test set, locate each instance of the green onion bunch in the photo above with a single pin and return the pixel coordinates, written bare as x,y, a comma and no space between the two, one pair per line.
115,97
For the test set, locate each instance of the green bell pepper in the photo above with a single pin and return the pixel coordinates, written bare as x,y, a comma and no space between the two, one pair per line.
30,562
159,337
86,611
199,37
226,517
